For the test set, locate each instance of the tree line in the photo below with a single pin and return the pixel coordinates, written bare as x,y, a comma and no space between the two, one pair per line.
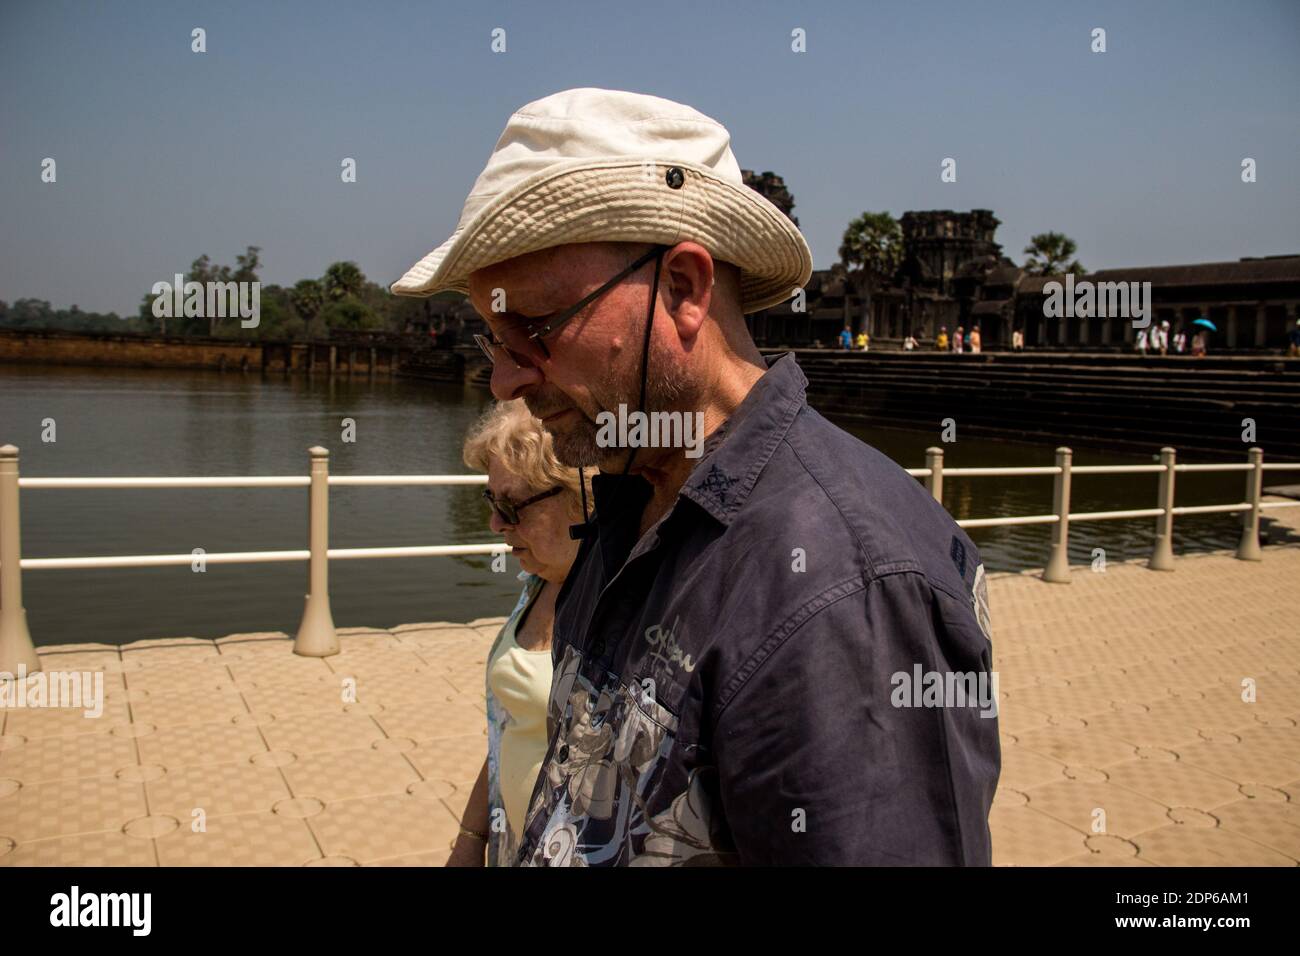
311,309
871,253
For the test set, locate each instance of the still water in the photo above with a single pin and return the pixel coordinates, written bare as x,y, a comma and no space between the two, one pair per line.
125,422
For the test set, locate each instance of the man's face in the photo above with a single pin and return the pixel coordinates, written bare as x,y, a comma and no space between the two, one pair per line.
595,359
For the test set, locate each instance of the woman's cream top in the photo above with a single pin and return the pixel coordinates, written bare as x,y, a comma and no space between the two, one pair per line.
521,681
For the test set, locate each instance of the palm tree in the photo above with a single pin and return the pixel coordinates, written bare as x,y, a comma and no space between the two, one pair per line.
307,297
343,279
870,254
1049,253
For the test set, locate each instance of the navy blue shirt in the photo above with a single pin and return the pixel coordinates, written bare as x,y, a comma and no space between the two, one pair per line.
793,666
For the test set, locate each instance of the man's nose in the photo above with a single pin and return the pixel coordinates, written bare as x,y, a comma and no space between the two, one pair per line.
509,380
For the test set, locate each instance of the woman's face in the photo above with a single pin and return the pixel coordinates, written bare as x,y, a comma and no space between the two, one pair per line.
541,539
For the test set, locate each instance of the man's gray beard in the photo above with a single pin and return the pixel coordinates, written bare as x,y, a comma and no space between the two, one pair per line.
577,447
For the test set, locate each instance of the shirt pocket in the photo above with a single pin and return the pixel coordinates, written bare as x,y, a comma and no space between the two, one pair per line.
646,734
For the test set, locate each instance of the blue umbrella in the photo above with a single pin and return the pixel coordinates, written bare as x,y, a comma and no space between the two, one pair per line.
1206,323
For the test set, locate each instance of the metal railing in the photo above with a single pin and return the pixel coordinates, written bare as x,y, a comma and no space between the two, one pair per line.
317,636
1162,553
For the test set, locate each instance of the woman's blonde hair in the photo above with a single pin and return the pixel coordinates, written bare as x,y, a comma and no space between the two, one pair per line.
510,434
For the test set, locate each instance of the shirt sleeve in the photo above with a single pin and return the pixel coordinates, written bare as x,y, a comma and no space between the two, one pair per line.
825,757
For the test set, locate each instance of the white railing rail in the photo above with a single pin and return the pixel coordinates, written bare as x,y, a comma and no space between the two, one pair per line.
1162,555
317,636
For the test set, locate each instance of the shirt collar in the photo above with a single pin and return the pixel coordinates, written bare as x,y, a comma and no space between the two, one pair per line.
729,469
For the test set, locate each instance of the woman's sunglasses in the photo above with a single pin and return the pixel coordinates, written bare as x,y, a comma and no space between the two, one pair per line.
522,342
508,511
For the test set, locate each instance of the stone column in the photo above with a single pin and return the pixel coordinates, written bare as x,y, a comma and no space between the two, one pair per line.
1261,325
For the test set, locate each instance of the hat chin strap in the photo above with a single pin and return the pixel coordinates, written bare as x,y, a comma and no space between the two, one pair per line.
645,350
588,525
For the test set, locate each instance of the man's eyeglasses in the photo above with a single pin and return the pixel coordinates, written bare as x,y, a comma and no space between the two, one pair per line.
508,511
523,342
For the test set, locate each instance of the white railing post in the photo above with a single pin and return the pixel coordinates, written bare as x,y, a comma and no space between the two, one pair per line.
16,648
1248,549
1058,564
316,635
934,480
1162,555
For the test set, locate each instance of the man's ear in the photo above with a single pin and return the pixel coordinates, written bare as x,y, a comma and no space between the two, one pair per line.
689,276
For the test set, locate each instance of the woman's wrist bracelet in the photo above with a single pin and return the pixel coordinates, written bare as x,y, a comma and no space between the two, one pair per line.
465,831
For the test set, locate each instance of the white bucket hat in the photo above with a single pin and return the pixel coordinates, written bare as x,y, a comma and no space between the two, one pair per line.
592,165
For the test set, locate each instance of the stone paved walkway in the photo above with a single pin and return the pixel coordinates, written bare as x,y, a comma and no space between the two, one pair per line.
1122,707
1126,740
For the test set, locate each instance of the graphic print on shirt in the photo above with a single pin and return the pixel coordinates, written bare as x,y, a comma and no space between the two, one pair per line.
980,602
667,652
604,771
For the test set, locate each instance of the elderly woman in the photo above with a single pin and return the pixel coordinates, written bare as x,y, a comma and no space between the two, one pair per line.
534,499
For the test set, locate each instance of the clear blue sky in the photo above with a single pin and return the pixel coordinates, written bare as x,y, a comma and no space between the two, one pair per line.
164,154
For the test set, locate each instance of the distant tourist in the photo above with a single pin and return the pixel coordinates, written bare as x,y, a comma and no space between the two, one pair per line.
1160,337
863,341
957,341
909,343
1294,340
846,338
1180,341
975,339
1141,343
534,500
1017,340
941,340
1200,342
966,342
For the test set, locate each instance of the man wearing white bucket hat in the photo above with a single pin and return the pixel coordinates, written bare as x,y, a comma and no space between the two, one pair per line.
757,647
